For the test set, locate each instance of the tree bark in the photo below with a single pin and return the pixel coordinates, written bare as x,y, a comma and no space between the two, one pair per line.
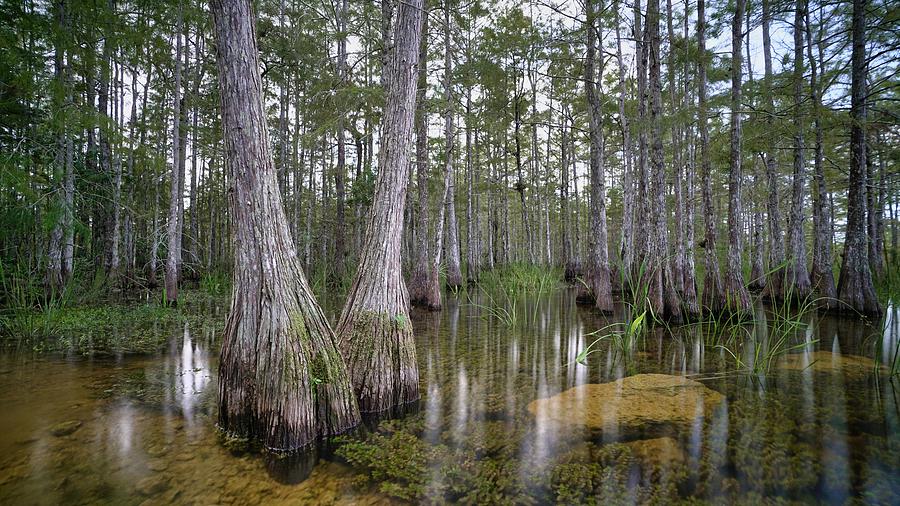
281,377
340,253
375,331
174,250
418,287
663,295
796,272
855,288
690,301
598,265
53,276
454,271
775,283
822,275
473,265
627,246
713,295
737,298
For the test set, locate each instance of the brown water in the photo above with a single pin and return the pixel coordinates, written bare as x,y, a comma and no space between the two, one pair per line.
499,421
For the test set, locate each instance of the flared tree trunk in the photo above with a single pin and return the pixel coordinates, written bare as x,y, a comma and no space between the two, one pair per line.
418,284
796,272
713,295
737,298
855,288
598,263
281,377
375,332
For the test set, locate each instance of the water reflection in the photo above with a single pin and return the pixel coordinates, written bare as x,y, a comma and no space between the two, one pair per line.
822,426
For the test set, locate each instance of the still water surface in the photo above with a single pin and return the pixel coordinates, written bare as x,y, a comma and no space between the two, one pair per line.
507,416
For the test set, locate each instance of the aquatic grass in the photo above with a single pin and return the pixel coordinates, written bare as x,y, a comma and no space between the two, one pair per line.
508,314
887,344
215,283
624,336
519,278
785,319
638,316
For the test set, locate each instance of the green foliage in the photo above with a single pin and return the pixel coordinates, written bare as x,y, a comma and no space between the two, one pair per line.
520,278
215,283
101,329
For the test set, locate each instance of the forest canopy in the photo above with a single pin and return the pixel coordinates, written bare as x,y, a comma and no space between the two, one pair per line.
597,136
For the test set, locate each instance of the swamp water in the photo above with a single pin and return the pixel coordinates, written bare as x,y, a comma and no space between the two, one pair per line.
507,416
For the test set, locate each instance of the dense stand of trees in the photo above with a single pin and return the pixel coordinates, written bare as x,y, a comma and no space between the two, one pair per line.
617,140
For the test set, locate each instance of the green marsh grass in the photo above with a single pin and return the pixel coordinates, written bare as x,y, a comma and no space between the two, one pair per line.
507,313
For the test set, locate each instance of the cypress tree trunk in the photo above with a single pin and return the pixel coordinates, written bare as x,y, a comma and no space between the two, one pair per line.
375,332
822,276
855,288
737,298
194,226
418,285
156,240
627,246
281,378
566,232
598,265
690,301
677,163
172,226
713,296
775,284
796,273
757,266
340,253
53,276
473,267
642,223
106,211
663,295
454,271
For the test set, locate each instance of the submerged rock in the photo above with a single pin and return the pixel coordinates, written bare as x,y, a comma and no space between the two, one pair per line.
634,402
65,428
828,362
